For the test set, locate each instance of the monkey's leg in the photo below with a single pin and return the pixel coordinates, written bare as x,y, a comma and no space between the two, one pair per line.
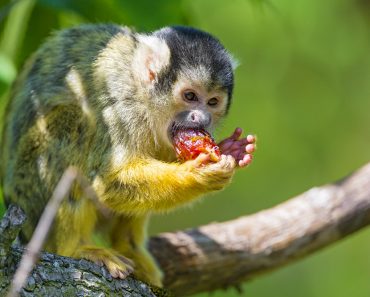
128,237
71,236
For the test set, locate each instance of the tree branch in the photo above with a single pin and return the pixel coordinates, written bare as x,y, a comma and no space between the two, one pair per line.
225,254
246,247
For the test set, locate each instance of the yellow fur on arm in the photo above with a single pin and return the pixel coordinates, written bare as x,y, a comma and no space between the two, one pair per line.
149,185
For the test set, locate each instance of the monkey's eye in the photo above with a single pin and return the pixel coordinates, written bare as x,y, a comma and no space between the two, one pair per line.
212,102
190,96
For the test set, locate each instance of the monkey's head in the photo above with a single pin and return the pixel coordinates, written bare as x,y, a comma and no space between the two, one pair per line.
189,78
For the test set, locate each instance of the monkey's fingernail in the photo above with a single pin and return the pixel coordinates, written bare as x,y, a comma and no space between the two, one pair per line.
123,274
248,158
251,138
250,148
114,273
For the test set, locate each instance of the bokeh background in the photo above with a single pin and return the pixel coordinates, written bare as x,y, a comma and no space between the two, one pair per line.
303,86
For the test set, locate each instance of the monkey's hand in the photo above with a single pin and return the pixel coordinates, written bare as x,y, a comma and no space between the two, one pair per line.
240,149
212,176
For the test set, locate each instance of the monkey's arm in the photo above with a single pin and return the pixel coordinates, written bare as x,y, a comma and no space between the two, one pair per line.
151,185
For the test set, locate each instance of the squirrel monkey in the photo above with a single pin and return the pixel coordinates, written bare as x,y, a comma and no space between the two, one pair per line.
108,100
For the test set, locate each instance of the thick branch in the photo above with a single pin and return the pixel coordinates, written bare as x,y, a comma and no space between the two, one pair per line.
56,276
223,254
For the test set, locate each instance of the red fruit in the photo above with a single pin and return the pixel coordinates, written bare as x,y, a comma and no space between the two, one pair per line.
190,143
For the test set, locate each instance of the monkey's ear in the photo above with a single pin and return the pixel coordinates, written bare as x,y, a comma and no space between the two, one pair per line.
152,55
234,62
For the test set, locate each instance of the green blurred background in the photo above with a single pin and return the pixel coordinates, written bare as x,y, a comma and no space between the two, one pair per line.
303,87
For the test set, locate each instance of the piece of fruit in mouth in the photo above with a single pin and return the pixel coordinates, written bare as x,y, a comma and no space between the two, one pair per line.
190,143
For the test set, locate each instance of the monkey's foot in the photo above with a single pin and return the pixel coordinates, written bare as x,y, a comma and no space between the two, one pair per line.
117,265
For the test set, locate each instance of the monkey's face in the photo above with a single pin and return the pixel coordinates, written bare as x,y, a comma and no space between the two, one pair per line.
196,105
189,78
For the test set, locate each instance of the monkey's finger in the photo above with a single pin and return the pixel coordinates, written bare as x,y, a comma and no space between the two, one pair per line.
114,273
246,160
243,141
228,142
247,150
241,146
251,138
237,133
121,275
238,145
127,261
228,145
201,160
250,148
231,161
240,149
247,140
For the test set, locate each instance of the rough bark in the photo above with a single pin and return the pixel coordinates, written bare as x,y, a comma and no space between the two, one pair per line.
220,254
56,275
60,276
